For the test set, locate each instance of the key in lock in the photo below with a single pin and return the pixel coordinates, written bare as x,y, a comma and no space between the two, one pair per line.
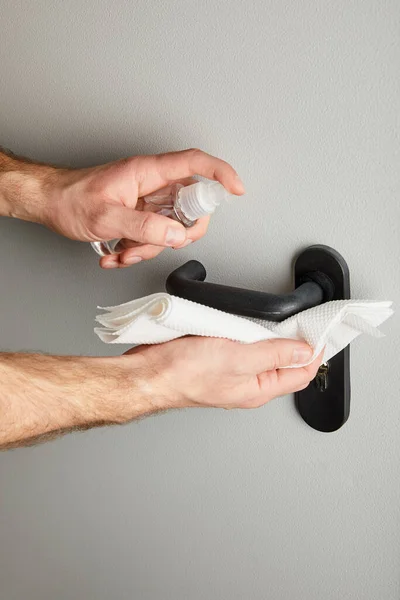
321,378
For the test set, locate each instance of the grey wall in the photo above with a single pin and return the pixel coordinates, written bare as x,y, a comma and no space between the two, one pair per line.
303,98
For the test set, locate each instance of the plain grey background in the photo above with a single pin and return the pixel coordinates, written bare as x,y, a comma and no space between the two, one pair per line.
304,99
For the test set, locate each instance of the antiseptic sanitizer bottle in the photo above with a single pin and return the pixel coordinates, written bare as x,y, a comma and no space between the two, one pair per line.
182,203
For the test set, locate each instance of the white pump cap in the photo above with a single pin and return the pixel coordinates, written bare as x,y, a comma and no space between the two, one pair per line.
201,198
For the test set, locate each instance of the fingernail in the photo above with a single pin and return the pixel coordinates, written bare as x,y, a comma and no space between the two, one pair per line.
240,185
301,356
132,260
175,237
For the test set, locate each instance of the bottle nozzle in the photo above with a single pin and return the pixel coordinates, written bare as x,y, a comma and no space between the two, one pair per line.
201,198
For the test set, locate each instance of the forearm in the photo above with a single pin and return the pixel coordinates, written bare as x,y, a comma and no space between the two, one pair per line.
44,396
24,187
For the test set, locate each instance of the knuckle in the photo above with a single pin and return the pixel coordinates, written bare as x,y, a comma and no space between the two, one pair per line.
146,226
274,354
194,154
124,162
194,151
98,217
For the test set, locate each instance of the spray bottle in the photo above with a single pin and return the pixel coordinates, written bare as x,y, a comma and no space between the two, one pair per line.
182,203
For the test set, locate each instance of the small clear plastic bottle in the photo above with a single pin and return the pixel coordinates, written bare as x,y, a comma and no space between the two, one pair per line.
182,203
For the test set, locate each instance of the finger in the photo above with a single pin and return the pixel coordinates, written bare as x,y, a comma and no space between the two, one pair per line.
131,256
281,382
200,229
194,236
109,262
160,170
286,381
161,196
271,354
146,227
143,252
196,232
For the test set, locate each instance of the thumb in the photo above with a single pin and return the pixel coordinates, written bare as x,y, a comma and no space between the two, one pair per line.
144,227
274,354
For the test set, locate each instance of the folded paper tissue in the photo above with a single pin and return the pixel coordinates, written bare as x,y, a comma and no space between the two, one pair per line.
161,317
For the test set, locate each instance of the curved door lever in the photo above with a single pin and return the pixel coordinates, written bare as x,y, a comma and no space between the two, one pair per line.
188,281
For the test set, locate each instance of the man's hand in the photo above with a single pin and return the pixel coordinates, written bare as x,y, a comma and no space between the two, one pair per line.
196,371
44,396
103,203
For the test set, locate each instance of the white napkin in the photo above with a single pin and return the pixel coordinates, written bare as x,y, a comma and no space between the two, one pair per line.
161,317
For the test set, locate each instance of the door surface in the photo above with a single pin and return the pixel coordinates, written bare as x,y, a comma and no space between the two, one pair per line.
303,98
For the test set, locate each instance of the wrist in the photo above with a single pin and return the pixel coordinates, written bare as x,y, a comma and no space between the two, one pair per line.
156,382
128,389
25,188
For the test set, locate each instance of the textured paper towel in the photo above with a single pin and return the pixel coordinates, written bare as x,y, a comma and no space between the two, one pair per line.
161,317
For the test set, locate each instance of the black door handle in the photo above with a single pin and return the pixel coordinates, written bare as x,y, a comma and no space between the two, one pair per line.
321,274
188,282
